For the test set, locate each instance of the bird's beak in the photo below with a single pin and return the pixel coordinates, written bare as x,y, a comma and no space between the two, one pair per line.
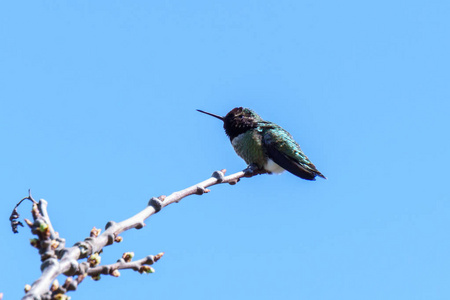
213,115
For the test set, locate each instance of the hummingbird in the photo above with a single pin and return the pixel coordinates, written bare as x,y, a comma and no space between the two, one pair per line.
265,146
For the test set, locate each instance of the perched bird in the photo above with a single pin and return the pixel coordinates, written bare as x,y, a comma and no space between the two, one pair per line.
264,145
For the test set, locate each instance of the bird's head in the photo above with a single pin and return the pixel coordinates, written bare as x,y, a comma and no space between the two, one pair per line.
238,121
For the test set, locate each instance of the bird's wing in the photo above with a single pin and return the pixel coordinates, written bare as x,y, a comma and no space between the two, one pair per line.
283,150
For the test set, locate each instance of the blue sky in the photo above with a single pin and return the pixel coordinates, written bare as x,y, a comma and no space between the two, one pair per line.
97,115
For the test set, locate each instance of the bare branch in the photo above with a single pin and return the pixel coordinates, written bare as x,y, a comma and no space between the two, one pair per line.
42,205
140,265
57,259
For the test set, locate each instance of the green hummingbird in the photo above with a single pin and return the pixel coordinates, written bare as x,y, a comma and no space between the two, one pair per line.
265,146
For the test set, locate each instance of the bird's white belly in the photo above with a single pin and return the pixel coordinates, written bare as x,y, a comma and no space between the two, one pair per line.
272,166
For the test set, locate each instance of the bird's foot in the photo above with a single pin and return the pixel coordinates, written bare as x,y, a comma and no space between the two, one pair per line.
253,170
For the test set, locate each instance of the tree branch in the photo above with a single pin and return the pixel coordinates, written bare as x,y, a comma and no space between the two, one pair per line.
61,260
141,265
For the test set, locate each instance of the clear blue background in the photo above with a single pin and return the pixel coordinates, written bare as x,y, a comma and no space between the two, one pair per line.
97,115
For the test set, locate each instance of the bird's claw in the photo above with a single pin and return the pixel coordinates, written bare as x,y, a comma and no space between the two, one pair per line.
253,170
